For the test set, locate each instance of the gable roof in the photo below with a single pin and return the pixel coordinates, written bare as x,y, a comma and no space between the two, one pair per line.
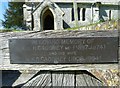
50,2
79,1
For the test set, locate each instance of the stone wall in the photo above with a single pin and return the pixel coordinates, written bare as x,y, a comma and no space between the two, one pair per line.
93,13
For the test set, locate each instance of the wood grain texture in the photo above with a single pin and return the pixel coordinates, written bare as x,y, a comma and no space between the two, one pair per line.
5,65
63,79
84,78
40,80
5,58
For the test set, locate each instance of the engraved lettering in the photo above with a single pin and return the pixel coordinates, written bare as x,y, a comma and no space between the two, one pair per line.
66,50
71,53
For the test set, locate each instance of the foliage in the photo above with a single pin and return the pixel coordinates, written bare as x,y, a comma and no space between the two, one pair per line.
14,15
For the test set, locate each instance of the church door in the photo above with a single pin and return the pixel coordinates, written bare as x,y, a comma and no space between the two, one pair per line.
48,20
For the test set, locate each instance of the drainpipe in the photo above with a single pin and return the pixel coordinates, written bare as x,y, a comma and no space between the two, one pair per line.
92,11
75,13
32,21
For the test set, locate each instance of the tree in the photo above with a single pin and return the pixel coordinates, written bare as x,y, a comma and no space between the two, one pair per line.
14,15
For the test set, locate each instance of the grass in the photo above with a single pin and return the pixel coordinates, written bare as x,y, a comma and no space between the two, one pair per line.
74,28
10,30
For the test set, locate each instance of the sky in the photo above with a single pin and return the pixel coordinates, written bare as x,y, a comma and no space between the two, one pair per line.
3,7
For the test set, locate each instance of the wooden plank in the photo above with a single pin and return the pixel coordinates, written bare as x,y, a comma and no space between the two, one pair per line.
88,80
80,80
5,64
63,79
94,81
85,79
99,83
42,79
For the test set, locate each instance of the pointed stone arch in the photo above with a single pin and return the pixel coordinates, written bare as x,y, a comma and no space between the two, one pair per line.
47,19
54,10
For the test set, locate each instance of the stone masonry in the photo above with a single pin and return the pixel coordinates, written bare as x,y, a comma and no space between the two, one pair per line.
67,13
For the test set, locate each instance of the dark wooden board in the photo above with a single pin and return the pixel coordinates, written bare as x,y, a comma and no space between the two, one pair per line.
64,50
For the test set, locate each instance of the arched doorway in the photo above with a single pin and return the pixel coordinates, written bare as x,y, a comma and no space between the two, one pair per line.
48,20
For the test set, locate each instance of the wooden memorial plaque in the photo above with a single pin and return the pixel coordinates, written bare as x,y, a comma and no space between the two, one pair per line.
64,50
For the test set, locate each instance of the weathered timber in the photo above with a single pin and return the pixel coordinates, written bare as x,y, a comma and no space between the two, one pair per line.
42,79
85,78
63,78
96,69
4,48
70,79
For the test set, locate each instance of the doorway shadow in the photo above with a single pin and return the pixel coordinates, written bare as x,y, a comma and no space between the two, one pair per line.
48,20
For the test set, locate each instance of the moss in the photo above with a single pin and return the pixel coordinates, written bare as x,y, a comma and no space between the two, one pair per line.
74,28
109,5
5,30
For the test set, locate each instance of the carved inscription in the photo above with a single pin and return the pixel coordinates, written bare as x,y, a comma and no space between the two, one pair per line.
64,50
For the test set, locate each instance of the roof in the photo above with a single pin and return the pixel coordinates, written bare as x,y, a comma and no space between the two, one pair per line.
78,1
51,2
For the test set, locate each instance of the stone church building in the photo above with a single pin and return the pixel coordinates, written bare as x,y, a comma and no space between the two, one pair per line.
61,14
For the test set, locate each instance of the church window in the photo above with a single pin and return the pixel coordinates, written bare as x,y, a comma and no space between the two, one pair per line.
83,14
109,14
78,10
73,14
